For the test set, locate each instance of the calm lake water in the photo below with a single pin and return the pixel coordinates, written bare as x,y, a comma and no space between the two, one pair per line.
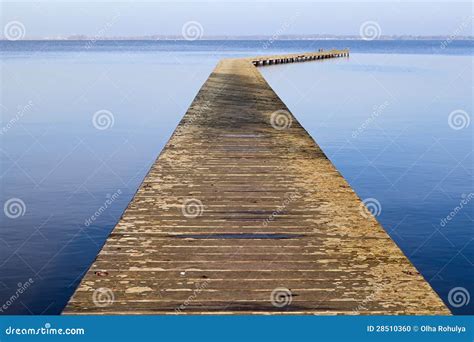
382,116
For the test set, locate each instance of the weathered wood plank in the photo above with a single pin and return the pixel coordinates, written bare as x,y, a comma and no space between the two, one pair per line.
243,213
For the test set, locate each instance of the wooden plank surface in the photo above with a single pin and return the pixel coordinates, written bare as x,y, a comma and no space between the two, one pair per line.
243,213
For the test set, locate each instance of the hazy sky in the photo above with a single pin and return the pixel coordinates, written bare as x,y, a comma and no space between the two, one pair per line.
127,18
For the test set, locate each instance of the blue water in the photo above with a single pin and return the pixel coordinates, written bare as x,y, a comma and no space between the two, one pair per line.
381,116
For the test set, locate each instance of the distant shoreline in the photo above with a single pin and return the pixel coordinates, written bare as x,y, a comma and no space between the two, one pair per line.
246,38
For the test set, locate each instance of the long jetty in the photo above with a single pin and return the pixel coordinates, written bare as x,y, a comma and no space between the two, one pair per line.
243,213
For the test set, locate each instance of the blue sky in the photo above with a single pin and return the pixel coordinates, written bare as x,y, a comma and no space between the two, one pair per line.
127,18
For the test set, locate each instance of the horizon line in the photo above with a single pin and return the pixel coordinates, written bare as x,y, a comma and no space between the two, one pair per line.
256,37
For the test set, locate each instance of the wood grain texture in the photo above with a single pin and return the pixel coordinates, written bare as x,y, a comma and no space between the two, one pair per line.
278,224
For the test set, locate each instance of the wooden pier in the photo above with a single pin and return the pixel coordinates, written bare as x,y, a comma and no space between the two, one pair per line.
243,213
